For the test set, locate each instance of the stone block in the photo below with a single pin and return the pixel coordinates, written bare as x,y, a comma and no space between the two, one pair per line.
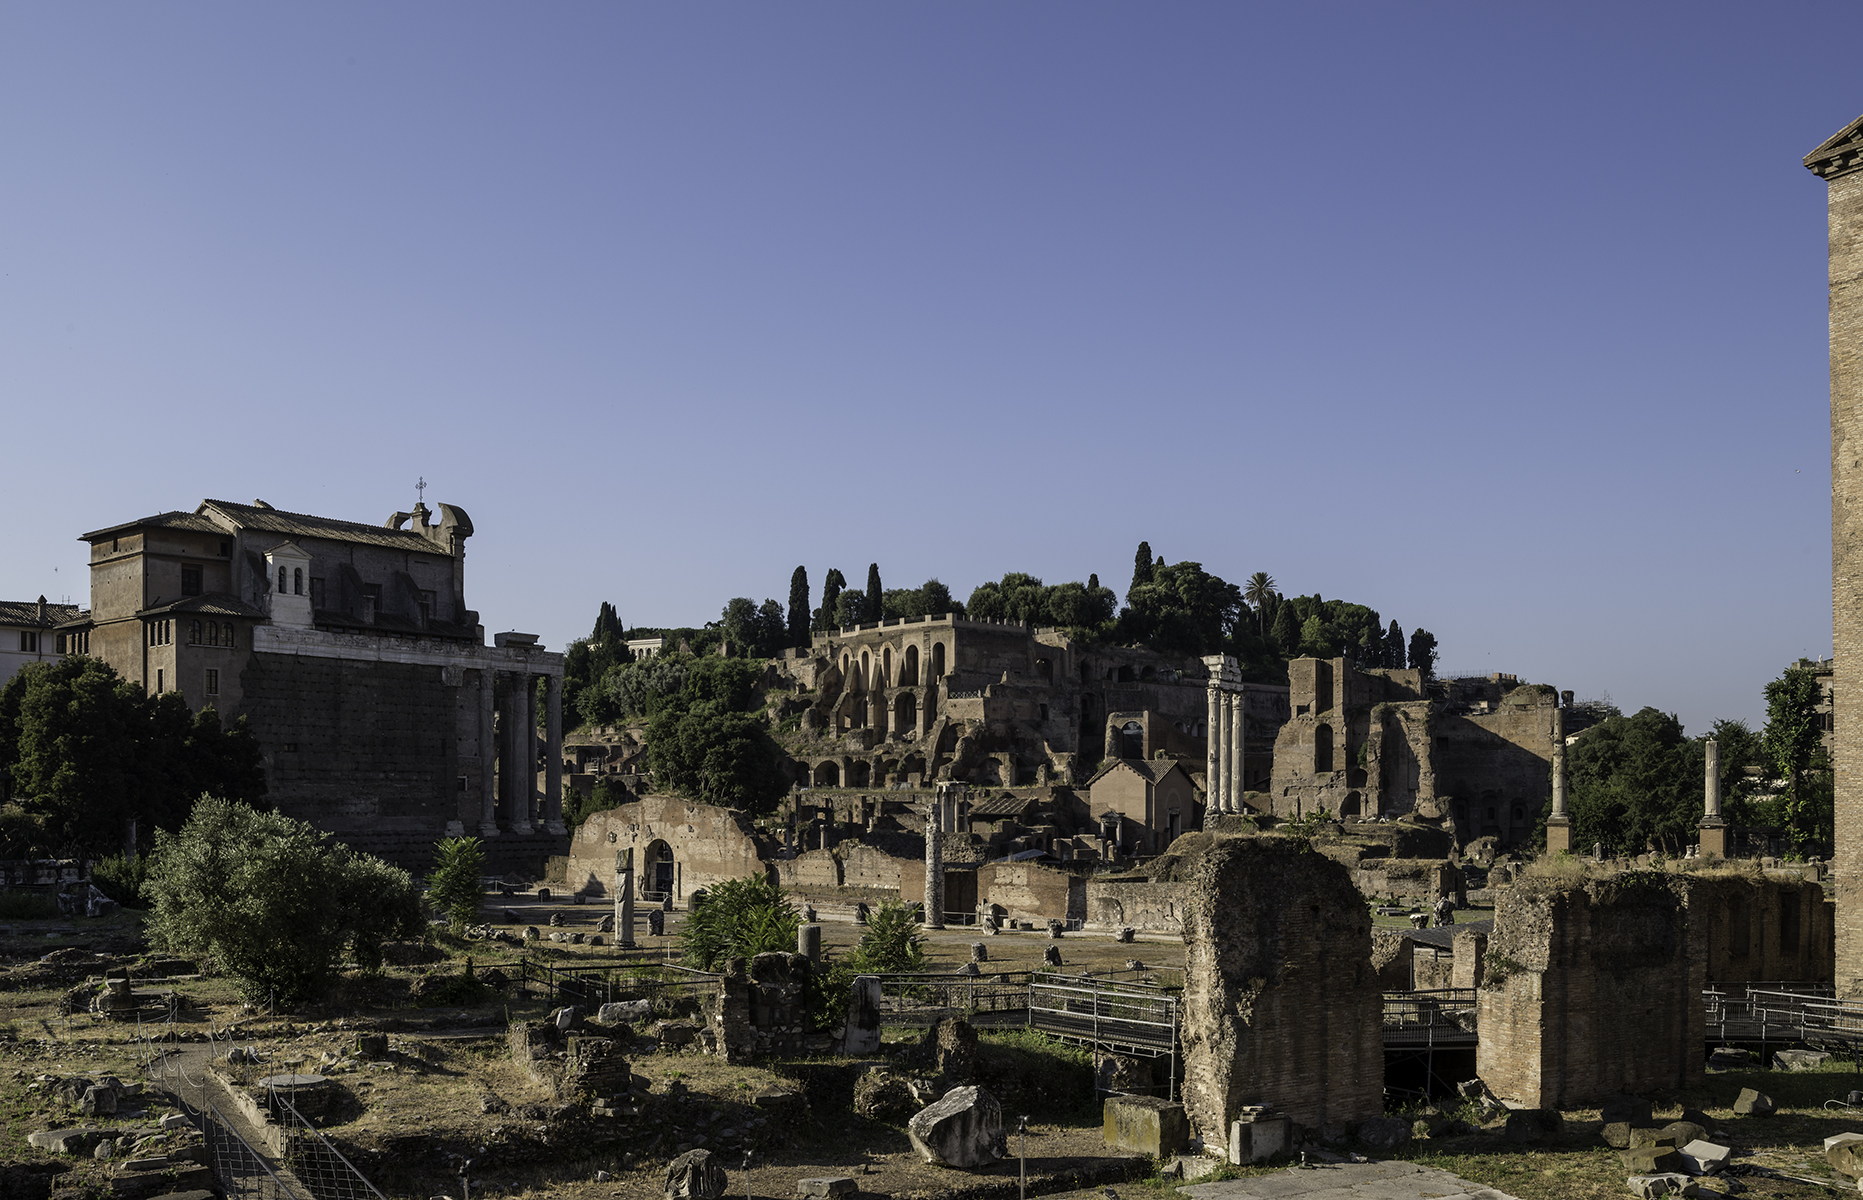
1753,1104
1844,1154
1145,1125
98,1102
862,1033
1800,1060
174,1121
963,1130
617,1012
1640,1138
1259,1137
80,1140
1653,1160
1616,1135
1702,1157
826,1185
694,1176
1685,1132
1650,1187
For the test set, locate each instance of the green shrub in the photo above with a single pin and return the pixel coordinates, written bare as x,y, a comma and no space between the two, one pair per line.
121,880
271,900
453,886
891,941
738,918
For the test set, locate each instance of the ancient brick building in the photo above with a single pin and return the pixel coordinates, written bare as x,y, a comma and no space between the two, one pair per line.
381,713
1839,160
912,700
1365,743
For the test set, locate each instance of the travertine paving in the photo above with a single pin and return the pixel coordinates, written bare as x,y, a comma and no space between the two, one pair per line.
1348,1181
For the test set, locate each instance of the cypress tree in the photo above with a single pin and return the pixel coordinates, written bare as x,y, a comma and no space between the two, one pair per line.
1141,568
1394,646
1286,631
871,609
831,593
799,607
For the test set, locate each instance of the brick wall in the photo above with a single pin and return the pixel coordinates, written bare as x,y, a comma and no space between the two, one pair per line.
1281,1004
1594,989
1846,319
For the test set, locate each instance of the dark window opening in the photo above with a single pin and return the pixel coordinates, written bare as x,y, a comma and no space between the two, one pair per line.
190,581
316,592
426,605
297,581
226,548
1788,925
1323,748
213,682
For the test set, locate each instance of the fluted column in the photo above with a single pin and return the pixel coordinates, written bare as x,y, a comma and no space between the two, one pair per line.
1229,752
1238,736
553,756
488,756
1213,757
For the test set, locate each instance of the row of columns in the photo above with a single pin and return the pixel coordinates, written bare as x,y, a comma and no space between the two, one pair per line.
1223,781
516,756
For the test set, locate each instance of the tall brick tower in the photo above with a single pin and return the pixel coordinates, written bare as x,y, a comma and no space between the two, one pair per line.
1840,161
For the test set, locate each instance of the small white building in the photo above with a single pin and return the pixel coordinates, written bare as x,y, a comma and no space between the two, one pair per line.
645,648
29,633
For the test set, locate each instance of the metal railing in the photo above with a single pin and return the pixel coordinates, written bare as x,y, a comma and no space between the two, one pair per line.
1130,1019
1783,1012
591,988
988,999
1433,1017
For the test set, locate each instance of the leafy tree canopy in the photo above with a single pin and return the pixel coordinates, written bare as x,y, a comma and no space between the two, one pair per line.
271,900
1025,600
453,886
1793,745
704,741
88,751
1636,782
739,918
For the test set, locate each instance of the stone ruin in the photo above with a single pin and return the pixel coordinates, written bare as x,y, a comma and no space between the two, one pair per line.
1281,1004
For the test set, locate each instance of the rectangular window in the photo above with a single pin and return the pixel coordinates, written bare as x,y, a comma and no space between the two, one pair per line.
213,682
226,548
61,643
316,592
291,747
158,682
426,605
28,642
190,581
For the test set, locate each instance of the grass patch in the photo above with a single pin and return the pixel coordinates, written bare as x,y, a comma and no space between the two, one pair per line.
27,906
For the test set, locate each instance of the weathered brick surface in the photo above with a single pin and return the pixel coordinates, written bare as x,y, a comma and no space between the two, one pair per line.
1593,990
1765,929
1846,317
1281,1003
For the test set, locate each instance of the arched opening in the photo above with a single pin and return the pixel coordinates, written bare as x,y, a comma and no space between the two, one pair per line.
886,667
937,671
1351,807
1149,673
877,712
1323,748
827,775
860,774
857,676
297,581
1044,669
1126,675
905,712
866,667
657,871
909,668
1132,740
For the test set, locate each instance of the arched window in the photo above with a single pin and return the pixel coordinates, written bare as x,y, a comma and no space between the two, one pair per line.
281,581
297,581
1132,740
213,634
937,670
194,633
226,634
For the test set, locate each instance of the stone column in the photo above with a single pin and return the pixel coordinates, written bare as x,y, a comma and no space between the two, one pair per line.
1225,768
1212,760
553,757
1714,831
1239,732
934,870
523,743
624,899
488,756
1558,825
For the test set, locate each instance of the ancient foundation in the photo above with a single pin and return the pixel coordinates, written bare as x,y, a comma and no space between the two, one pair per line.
1281,1004
1593,990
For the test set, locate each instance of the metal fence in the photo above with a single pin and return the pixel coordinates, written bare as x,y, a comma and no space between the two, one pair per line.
1436,1017
593,985
1127,1019
990,1001
1783,1012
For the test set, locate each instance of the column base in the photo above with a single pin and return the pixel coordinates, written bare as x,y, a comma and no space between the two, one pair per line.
488,829
1715,838
555,828
521,828
1558,835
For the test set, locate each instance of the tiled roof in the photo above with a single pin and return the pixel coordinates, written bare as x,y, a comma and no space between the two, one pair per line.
1152,769
1444,935
272,520
213,604
1001,806
168,520
26,612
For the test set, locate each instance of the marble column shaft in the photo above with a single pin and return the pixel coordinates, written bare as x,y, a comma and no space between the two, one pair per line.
1225,769
1713,780
1238,736
488,756
553,755
1558,764
1213,755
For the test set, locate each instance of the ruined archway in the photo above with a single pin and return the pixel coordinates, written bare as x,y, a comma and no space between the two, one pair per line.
1322,748
905,712
909,668
1351,808
886,667
1132,740
937,670
659,871
827,775
860,773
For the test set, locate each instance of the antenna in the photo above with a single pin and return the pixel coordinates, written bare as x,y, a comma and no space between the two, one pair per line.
420,490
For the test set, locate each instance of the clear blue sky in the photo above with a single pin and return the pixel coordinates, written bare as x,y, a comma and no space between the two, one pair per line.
1507,321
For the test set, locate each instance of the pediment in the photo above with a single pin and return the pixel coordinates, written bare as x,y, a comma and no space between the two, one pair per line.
1839,154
